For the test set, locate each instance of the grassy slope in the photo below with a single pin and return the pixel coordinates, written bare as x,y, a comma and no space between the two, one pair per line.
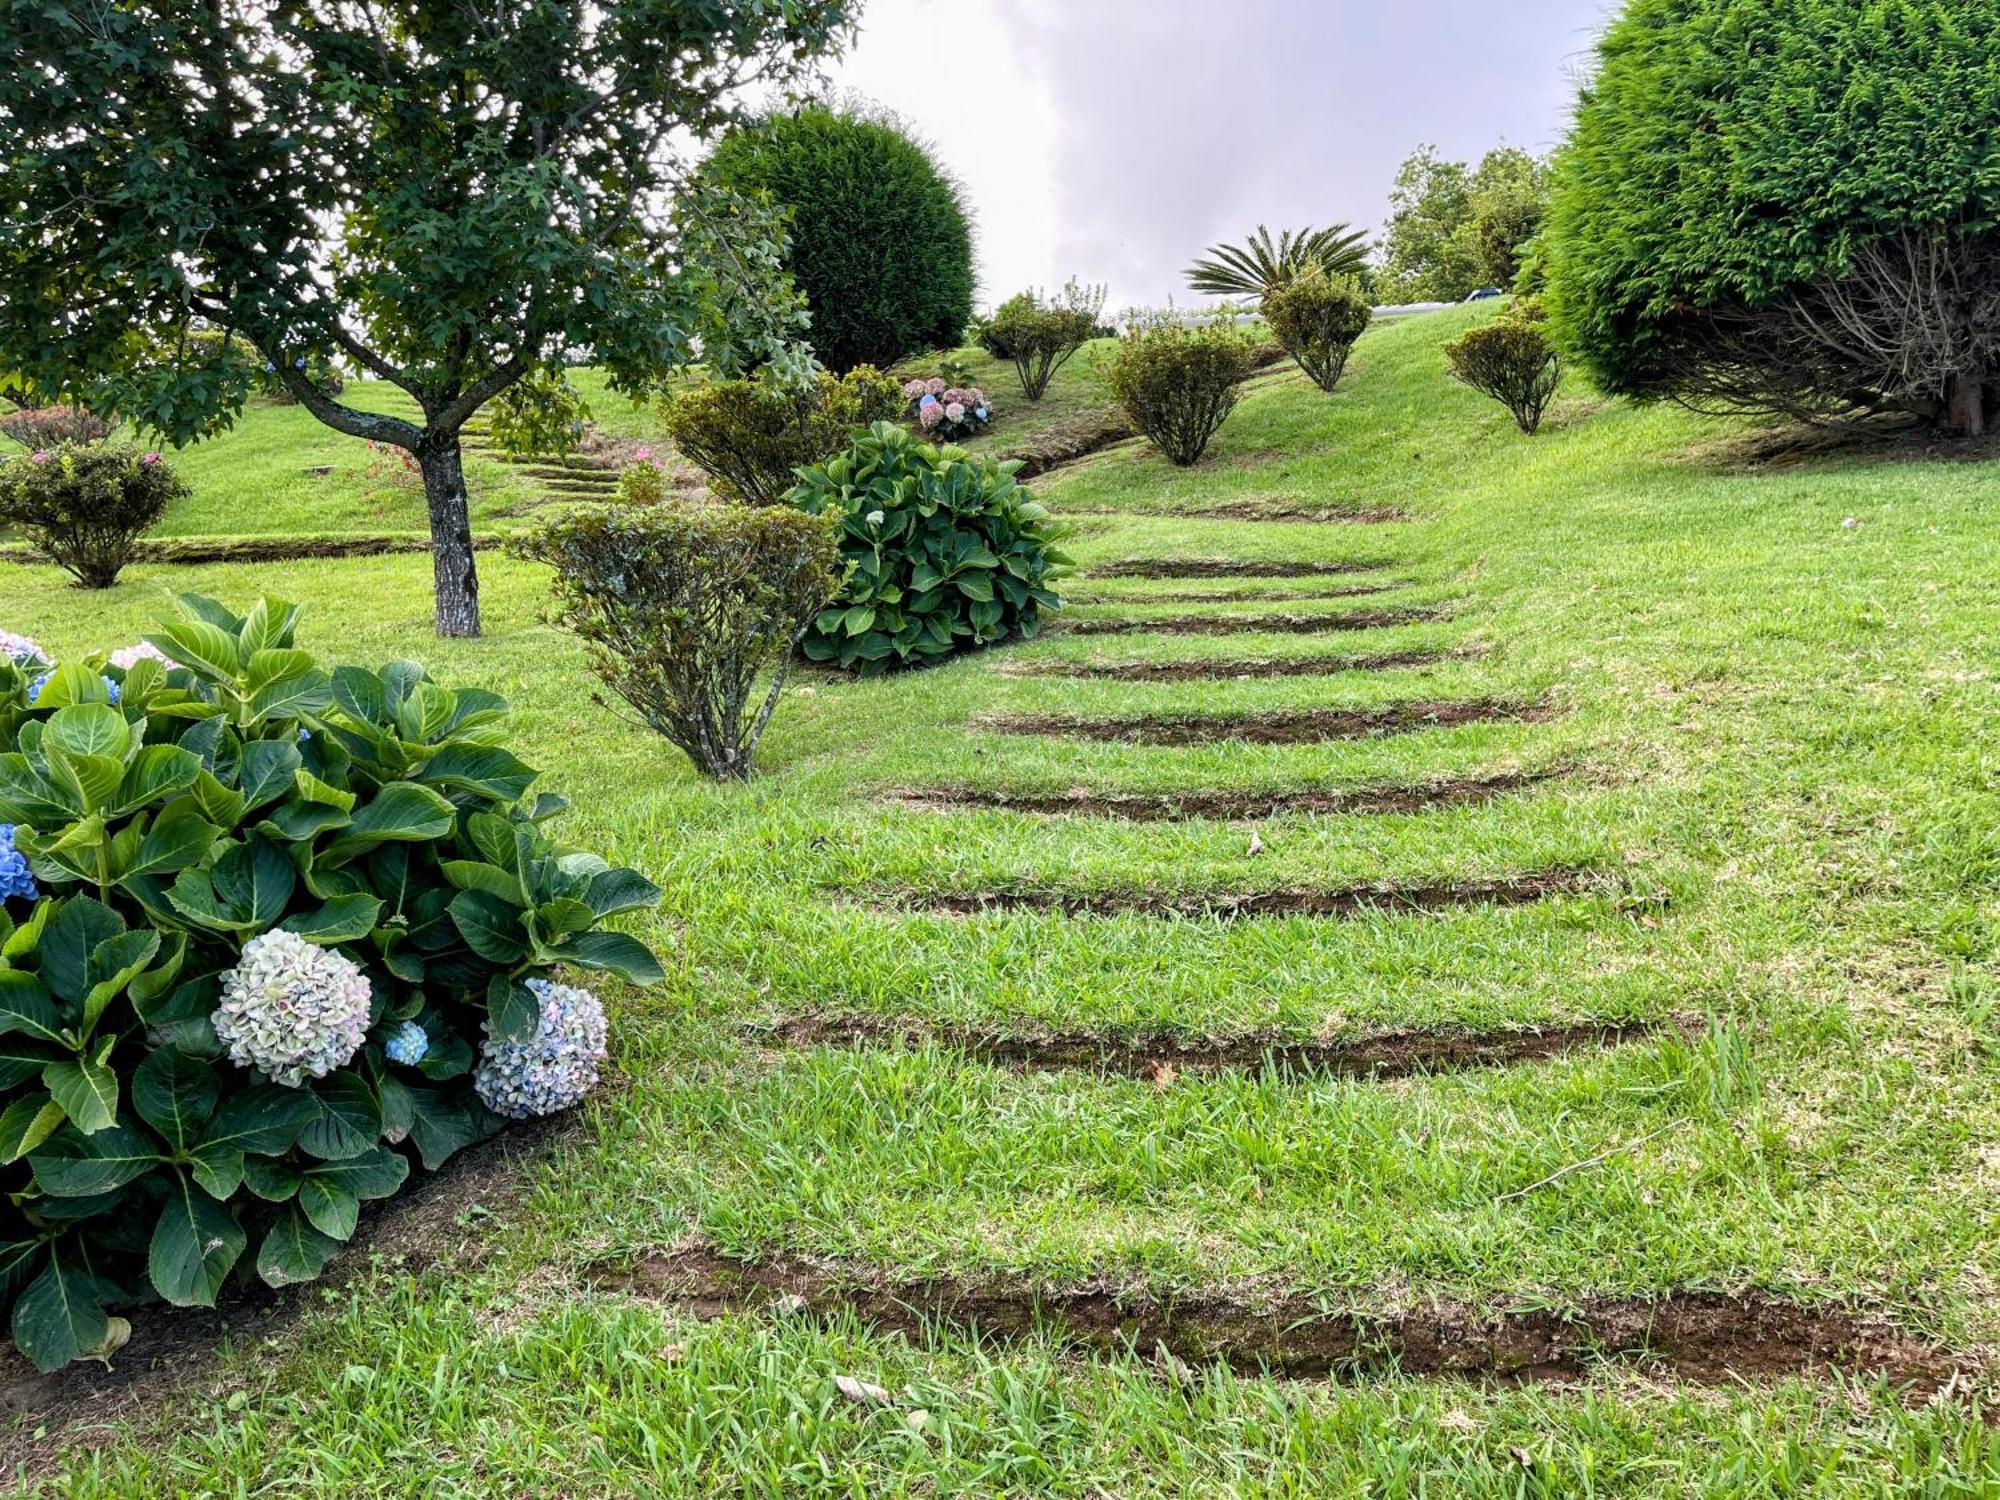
1782,723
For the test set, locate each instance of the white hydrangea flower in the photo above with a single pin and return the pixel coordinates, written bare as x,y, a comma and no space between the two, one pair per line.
20,648
291,1009
125,658
554,1068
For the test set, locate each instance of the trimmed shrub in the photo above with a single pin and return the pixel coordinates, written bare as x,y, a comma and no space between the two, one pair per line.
644,480
946,413
1512,361
274,919
948,552
881,243
749,436
1040,336
1317,317
87,506
37,427
1179,384
1787,206
685,607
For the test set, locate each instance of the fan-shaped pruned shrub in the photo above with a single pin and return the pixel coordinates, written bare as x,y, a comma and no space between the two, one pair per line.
1511,360
947,552
1179,383
269,931
87,505
881,243
686,608
1317,317
1787,206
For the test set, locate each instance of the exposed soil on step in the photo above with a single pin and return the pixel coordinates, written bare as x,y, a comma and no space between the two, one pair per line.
1158,1056
1173,807
1291,727
173,1349
1226,671
1374,619
1350,901
1224,567
1251,596
1294,515
1701,1337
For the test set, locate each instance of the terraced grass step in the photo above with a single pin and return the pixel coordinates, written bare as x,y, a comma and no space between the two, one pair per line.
1279,727
1228,806
1236,669
1274,624
1225,567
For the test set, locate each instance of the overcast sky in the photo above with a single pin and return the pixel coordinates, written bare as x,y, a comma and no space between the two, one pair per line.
1113,140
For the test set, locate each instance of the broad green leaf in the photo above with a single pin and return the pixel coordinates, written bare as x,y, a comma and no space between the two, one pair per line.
173,844
563,916
442,1125
255,880
270,770
265,1120
491,927
478,875
349,1120
92,779
195,1244
218,1170
70,1164
292,697
329,1207
60,1316
400,811
71,937
207,650
512,1009
294,1251
26,1123
615,952
86,1089
176,1095
271,1179
312,789
156,773
222,805
155,982
89,729
115,963
275,664
359,694
486,769
614,891
344,919
25,1007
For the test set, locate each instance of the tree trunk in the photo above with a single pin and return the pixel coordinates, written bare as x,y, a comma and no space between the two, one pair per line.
1965,404
452,561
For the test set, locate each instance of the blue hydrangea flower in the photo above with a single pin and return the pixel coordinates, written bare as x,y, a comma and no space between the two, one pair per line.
16,879
407,1044
928,401
981,414
554,1068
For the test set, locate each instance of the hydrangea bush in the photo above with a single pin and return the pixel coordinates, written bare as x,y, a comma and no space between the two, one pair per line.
270,932
947,413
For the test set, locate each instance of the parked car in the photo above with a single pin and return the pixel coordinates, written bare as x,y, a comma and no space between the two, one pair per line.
1486,294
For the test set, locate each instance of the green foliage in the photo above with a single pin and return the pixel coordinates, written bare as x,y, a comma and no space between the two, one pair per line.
1317,317
87,505
947,552
643,481
1178,384
403,188
1512,361
1777,204
1040,334
750,436
1454,229
1260,265
685,607
880,241
543,415
241,790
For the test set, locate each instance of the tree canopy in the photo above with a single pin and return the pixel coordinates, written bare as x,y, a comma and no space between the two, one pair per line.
1454,228
445,195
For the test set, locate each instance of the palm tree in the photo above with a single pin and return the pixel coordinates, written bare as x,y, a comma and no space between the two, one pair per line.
1259,264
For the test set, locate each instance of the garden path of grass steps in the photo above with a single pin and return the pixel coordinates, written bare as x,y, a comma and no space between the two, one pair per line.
1698,1337
1160,1056
1236,669
1308,726
1224,567
1226,806
1342,902
1245,596
1379,619
1275,514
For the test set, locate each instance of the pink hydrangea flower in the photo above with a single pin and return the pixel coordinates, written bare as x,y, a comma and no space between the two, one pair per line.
125,658
39,456
955,411
934,386
913,389
150,459
931,415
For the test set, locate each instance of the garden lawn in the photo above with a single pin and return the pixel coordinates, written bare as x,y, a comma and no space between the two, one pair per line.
1754,710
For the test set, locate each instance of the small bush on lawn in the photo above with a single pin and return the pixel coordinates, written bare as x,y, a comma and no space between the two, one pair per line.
948,552
1179,384
644,480
87,506
1039,335
685,607
749,436
1318,317
1512,361
38,427
268,929
946,413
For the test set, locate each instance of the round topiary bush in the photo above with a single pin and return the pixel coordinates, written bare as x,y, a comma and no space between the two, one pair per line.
1318,317
948,552
86,505
1787,206
881,243
749,436
269,931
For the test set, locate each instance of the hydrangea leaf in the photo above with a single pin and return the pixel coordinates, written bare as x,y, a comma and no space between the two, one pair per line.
614,891
176,1095
344,919
265,1120
196,1242
329,1207
294,1251
291,697
115,963
25,1007
272,1180
255,881
88,729
478,875
349,1120
71,1164
61,1315
22,1060
441,1126
492,928
205,649
486,769
270,770
513,1011
86,1089
71,937
156,773
218,1170
402,810
172,844
616,952
26,1123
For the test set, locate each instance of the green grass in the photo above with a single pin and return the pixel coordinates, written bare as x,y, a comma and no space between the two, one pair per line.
1779,728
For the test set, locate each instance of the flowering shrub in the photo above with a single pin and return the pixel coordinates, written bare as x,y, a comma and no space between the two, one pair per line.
263,925
86,506
37,427
686,607
1179,384
19,649
551,1070
948,412
749,436
946,552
